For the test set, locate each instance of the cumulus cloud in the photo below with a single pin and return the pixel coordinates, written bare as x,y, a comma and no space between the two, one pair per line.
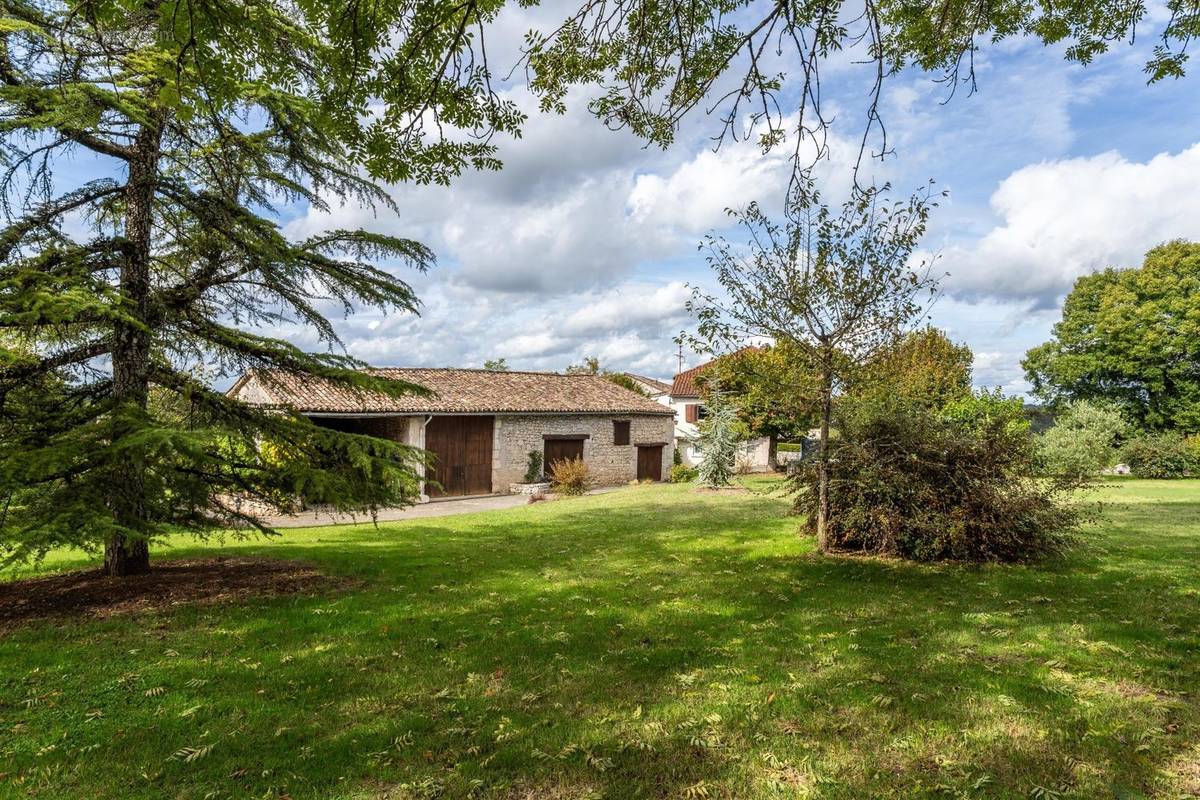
576,206
1066,218
632,308
693,198
629,326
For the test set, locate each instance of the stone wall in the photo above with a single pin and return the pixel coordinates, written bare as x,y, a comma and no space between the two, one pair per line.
608,464
515,435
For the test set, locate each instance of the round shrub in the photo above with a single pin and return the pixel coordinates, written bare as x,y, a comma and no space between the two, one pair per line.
1083,440
1159,455
934,485
681,473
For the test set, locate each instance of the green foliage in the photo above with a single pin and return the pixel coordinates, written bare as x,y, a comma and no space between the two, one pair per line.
987,408
681,473
923,366
569,476
676,456
656,62
625,382
774,388
1083,441
912,482
1160,455
1192,443
838,286
718,438
533,470
496,365
1131,338
209,116
591,366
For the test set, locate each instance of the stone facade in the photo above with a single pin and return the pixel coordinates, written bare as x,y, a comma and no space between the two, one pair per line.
514,435
608,464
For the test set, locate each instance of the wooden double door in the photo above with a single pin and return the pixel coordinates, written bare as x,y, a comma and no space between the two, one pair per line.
462,451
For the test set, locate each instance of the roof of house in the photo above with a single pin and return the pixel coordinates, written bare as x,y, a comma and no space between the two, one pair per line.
650,383
685,385
454,391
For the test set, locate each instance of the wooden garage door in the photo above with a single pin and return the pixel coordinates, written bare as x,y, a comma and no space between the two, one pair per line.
650,463
561,450
462,450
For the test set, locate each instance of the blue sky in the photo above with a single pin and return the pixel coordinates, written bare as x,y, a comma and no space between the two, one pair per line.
585,243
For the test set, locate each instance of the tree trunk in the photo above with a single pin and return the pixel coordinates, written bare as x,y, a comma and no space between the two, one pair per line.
126,557
127,553
823,455
773,453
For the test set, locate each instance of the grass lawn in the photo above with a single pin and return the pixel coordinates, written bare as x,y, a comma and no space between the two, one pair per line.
653,642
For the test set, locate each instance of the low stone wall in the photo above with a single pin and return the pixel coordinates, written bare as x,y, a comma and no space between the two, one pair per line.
609,464
528,488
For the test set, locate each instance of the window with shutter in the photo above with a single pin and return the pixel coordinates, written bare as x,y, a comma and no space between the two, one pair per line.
621,431
691,412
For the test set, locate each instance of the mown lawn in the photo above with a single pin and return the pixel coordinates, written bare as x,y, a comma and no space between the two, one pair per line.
653,642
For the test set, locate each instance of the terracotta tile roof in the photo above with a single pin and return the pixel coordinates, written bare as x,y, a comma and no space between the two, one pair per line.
454,391
651,383
685,385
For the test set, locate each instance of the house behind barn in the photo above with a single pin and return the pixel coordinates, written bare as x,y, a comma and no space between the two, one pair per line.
480,425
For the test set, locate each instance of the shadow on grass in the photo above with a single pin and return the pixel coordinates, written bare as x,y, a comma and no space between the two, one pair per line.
652,649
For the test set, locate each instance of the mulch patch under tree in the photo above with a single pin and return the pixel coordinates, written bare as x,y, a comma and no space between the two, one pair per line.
89,594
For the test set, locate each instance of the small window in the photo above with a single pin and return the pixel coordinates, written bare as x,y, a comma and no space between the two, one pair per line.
621,431
691,412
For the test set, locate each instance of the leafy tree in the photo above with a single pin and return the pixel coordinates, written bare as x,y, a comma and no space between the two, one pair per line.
1083,440
1131,338
589,366
718,437
774,389
836,286
924,366
203,117
762,62
496,365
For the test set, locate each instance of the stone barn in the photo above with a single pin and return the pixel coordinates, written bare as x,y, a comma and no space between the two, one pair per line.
480,425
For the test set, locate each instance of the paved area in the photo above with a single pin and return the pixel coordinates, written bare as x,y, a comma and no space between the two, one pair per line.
438,508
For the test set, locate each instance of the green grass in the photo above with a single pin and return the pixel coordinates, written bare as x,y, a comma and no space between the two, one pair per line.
653,642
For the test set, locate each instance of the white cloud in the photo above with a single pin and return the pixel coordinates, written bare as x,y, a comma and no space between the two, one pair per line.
627,327
631,308
693,198
1063,219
